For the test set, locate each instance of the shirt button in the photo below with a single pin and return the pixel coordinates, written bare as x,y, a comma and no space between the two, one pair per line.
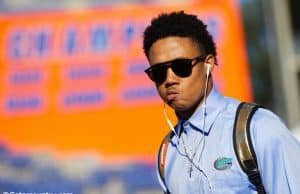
185,125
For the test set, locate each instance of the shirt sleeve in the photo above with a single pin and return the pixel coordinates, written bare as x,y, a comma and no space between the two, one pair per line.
277,152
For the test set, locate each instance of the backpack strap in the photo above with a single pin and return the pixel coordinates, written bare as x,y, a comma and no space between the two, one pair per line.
162,153
243,146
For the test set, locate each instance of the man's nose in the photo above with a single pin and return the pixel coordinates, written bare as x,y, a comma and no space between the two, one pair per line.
170,77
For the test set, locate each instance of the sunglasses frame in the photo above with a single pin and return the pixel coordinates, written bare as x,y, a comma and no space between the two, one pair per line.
170,64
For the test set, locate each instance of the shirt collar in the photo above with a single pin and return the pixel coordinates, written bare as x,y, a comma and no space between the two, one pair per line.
214,104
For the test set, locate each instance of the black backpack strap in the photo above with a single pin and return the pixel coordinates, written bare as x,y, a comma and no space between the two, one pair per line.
162,152
243,146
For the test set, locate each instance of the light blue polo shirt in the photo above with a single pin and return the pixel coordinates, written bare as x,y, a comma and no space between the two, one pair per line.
277,151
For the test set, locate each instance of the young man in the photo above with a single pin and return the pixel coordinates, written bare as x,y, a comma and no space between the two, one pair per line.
200,156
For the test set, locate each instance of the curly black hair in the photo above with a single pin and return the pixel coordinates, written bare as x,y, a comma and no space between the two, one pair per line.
178,24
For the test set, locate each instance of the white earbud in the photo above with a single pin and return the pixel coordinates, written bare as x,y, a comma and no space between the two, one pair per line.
208,70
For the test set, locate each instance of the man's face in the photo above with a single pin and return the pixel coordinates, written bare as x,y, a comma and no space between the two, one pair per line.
183,94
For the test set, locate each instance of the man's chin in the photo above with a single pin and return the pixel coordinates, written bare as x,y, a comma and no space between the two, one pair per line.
178,107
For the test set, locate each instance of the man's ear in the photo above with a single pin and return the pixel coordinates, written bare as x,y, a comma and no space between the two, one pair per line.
209,64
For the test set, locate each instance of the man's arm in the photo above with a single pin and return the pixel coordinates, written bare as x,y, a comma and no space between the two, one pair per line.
278,153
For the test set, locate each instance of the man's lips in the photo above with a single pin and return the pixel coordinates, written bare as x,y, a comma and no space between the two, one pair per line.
171,95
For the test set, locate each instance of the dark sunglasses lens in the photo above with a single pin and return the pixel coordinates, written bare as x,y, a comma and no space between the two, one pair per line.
182,67
158,73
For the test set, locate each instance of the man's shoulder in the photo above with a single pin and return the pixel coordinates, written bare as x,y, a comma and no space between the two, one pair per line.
268,129
267,120
264,123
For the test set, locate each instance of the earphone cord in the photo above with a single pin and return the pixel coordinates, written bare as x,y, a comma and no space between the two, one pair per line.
191,159
184,147
204,113
203,127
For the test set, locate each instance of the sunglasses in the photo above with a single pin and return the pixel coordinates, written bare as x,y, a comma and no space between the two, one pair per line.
181,67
